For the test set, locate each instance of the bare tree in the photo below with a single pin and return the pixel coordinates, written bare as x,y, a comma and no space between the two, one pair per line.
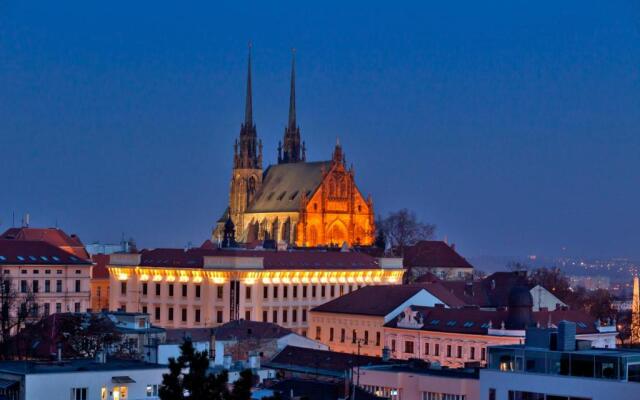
16,310
402,228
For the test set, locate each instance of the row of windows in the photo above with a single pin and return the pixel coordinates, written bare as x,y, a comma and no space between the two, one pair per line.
184,290
343,336
442,396
35,286
304,292
434,349
37,271
284,316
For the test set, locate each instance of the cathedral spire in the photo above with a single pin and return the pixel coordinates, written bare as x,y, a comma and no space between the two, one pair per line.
248,108
292,151
248,150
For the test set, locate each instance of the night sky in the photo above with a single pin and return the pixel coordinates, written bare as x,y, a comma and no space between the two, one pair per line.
514,126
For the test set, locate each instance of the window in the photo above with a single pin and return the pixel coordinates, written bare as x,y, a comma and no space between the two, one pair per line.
331,334
294,315
459,354
58,307
23,286
158,286
219,316
426,349
275,292
185,290
472,355
377,338
123,288
284,316
196,315
220,292
265,292
332,291
448,350
318,332
285,292
145,287
393,345
79,394
171,290
47,271
304,315
59,271
58,286
483,354
304,291
170,314
265,316
197,291
408,347
275,317
184,315
144,311
247,315
436,350
35,287
323,291
341,290
247,292
342,335
354,336
157,313
492,394
37,271
47,308
313,291
366,337
76,307
152,390
78,285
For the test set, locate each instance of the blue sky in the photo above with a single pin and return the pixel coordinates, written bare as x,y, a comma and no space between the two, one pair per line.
514,126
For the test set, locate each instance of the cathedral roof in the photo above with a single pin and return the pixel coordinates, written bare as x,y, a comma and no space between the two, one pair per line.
284,185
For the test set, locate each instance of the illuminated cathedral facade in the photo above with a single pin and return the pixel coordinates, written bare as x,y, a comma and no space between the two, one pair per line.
298,202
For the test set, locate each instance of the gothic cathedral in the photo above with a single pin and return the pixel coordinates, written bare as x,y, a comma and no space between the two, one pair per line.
305,204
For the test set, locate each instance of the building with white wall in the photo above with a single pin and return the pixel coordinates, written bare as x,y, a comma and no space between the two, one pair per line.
203,287
80,380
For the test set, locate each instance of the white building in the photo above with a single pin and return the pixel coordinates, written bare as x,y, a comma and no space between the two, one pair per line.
553,365
80,380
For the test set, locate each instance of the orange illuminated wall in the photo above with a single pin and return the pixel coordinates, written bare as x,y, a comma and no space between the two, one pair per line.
336,212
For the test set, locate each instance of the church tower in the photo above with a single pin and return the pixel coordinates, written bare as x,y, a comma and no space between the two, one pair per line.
290,150
247,164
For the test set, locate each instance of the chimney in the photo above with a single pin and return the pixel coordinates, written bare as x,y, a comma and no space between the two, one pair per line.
566,336
227,361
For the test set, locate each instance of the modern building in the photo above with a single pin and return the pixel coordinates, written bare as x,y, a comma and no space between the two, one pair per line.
553,365
56,280
299,202
354,323
203,287
83,379
419,381
437,258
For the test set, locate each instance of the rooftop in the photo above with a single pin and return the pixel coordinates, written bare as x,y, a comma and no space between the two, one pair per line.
434,254
54,236
80,365
424,368
26,252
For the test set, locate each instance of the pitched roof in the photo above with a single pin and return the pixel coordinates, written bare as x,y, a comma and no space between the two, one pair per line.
23,252
492,291
435,254
472,320
195,334
307,260
370,300
54,236
284,184
243,330
323,362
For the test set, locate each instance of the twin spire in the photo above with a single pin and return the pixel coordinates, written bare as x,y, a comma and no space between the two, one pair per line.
290,149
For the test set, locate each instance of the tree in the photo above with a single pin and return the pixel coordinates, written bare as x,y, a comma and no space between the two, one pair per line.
402,228
515,266
554,280
16,310
90,333
197,383
380,241
242,387
599,304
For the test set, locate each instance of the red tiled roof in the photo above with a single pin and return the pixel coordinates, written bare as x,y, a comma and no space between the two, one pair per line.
23,252
100,270
243,330
370,300
433,253
54,236
194,258
472,320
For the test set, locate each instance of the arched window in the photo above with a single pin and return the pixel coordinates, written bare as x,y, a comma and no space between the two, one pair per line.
313,236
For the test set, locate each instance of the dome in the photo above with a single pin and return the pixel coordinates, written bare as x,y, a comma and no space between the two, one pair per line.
520,296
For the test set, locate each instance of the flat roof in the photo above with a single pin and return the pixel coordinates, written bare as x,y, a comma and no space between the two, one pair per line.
590,352
469,373
79,365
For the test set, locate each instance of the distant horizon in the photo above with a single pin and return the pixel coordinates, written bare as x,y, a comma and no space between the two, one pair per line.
514,128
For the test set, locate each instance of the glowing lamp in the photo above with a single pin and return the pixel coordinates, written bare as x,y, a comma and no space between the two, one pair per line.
157,278
266,281
197,279
144,277
184,278
123,277
249,281
218,280
171,278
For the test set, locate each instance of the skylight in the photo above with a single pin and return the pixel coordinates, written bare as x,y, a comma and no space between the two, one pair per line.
435,321
451,323
3,258
468,324
55,258
32,258
20,258
44,258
